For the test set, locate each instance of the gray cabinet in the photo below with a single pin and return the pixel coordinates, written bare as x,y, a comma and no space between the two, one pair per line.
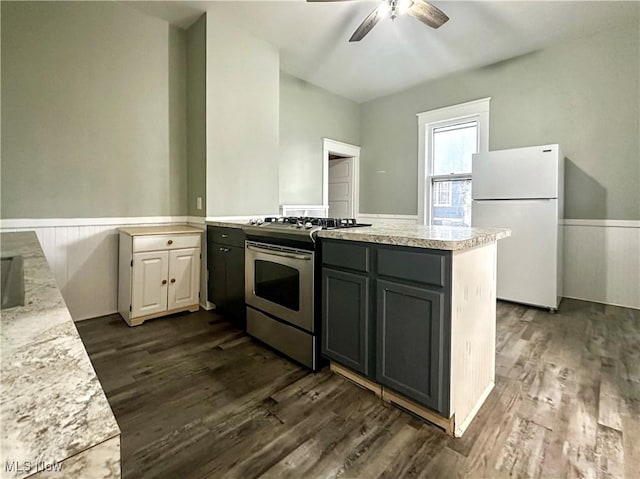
225,263
386,313
410,327
346,320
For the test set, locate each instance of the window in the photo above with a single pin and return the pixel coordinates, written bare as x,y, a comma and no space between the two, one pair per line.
448,139
442,193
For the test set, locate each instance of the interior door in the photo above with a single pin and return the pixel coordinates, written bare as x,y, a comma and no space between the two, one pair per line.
184,277
341,178
150,280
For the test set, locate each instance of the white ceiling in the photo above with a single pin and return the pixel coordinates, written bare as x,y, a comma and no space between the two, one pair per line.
313,37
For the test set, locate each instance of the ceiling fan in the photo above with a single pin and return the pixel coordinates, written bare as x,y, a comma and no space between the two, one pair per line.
419,9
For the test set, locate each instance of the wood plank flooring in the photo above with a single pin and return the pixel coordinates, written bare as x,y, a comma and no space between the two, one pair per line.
196,398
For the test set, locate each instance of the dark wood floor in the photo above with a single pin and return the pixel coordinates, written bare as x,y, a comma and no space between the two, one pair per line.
196,398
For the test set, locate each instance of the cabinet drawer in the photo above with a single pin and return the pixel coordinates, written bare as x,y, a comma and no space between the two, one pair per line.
170,241
345,254
419,265
228,236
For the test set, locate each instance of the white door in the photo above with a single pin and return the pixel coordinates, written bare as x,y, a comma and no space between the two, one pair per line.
341,179
149,290
527,261
184,277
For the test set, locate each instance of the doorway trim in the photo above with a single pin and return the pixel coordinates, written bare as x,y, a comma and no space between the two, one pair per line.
349,151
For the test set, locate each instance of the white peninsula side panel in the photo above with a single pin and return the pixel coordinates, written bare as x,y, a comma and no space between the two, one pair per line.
473,331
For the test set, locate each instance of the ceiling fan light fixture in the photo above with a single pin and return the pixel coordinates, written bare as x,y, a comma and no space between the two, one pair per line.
404,6
421,10
384,8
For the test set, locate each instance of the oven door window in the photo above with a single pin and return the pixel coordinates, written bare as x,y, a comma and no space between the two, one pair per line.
277,283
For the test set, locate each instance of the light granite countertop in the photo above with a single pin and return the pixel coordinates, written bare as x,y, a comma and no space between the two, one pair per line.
52,404
454,238
228,223
159,230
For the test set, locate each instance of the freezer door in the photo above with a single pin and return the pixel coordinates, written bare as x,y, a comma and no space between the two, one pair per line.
519,173
527,261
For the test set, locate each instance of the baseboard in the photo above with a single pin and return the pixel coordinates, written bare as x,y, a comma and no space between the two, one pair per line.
86,318
587,300
207,305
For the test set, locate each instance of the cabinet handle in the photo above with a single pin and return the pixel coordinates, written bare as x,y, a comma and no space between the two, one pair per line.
164,281
224,250
224,236
173,280
170,242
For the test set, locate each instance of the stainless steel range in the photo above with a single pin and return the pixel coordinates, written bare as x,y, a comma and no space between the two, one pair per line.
281,288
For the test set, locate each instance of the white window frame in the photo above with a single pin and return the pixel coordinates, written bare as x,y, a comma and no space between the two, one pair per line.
473,110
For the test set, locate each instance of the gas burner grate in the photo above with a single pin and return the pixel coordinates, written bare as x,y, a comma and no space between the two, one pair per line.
323,222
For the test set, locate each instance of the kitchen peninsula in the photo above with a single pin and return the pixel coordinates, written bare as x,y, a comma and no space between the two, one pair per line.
56,420
409,312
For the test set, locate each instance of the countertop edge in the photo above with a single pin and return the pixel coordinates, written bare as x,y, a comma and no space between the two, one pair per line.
414,242
159,230
60,366
228,224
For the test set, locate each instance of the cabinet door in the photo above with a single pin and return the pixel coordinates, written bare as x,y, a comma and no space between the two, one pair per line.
150,280
184,277
345,319
217,264
235,283
409,342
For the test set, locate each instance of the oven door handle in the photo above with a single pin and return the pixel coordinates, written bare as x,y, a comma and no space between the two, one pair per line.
279,253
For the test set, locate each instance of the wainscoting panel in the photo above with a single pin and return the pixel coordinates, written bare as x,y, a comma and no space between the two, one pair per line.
601,258
602,261
199,222
83,255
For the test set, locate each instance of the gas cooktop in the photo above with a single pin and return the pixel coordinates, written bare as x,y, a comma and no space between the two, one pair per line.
306,222
297,226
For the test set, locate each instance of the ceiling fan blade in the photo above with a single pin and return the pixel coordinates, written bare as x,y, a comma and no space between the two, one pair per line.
427,13
366,26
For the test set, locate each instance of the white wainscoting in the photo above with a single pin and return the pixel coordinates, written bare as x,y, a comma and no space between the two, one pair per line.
83,255
602,261
601,258
200,223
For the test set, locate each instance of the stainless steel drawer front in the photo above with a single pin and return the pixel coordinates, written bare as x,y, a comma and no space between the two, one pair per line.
291,341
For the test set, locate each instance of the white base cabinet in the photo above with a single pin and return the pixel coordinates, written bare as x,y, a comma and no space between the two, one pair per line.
159,272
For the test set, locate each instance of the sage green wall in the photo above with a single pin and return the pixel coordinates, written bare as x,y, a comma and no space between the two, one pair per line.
583,94
93,111
242,121
197,116
308,114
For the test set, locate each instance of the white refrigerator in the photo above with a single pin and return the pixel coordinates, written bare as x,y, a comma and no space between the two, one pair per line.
522,189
